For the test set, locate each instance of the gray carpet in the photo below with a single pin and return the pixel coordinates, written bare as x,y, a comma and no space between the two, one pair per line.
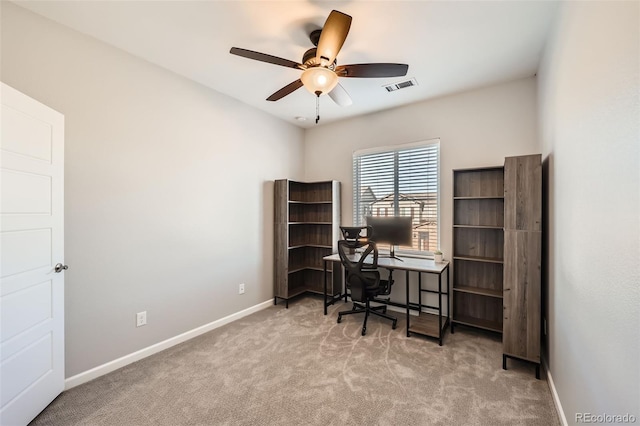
296,367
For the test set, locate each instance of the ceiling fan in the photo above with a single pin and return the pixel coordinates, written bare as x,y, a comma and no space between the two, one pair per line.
320,71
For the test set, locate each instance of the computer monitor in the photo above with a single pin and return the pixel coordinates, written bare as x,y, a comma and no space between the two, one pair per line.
392,230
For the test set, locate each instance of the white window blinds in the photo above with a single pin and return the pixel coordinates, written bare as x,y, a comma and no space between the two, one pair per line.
400,182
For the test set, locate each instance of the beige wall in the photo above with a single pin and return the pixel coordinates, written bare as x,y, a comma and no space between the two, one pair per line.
168,193
589,110
477,128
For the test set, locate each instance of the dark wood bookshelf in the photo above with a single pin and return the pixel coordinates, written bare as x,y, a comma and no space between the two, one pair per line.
478,247
306,228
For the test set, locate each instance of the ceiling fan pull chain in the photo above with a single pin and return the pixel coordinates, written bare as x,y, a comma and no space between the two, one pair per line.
318,106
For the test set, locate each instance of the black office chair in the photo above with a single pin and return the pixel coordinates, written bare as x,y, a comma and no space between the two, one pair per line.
363,280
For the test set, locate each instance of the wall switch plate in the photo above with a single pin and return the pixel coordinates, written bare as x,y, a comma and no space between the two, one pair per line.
141,318
241,289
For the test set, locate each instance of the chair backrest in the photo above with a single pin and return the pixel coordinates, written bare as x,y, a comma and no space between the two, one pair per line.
362,278
355,233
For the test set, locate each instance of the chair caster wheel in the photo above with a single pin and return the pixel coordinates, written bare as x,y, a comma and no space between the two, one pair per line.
339,320
364,331
393,326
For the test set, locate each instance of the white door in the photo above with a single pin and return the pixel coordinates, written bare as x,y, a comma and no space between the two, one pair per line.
31,244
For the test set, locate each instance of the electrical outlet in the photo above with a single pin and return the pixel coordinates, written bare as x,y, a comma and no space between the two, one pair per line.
141,318
241,289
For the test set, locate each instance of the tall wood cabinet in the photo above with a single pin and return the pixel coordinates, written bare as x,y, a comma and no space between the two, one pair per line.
306,228
522,261
478,247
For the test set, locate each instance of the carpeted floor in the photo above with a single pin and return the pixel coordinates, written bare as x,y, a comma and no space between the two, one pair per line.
297,367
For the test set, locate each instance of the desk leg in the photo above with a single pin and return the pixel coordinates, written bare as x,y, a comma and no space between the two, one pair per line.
448,297
407,302
344,283
325,287
419,293
440,308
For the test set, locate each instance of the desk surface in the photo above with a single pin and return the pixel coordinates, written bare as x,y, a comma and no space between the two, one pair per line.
406,264
426,323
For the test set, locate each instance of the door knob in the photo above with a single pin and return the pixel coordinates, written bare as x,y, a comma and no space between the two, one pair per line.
60,267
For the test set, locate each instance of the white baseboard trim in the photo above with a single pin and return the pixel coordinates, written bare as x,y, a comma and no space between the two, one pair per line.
554,394
110,366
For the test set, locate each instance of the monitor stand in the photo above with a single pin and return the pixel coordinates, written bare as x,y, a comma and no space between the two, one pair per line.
392,254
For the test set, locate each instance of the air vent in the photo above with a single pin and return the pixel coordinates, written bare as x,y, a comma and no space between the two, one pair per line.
401,85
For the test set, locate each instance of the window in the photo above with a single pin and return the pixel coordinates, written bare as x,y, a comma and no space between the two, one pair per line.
403,181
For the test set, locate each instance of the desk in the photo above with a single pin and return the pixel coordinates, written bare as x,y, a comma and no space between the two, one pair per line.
425,323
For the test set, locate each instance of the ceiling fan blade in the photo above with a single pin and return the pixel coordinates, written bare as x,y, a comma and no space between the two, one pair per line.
332,38
263,57
372,70
289,88
340,96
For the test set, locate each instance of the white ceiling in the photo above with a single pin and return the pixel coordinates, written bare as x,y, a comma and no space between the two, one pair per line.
450,46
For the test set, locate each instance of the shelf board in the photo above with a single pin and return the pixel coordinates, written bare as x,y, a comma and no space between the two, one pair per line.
310,202
479,259
310,223
293,292
426,324
485,197
478,323
310,245
478,169
312,268
307,289
480,291
479,227
320,292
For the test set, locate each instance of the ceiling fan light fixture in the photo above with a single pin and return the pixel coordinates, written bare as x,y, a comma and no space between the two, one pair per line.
320,71
319,79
